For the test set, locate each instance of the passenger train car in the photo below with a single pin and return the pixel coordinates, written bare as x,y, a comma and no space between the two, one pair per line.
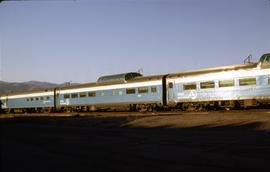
237,86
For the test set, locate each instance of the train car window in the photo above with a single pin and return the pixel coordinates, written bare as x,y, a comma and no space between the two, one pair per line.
48,98
143,89
130,91
226,83
247,81
37,98
102,93
74,95
208,84
120,92
153,89
190,86
92,94
27,99
83,94
66,96
170,85
31,99
41,98
113,93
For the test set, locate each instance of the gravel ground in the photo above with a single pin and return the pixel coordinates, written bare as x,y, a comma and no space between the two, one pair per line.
160,141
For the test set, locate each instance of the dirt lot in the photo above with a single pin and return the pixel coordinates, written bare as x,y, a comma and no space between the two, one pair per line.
164,141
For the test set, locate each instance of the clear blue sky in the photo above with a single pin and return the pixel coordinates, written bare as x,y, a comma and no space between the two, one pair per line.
60,41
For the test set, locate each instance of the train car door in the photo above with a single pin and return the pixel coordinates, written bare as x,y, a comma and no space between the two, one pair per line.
171,86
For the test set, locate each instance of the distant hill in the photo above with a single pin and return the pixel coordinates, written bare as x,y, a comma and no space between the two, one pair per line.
13,87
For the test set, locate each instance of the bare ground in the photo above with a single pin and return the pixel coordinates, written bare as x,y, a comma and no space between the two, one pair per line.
161,141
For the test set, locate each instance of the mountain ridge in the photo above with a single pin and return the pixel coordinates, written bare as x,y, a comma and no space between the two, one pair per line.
15,87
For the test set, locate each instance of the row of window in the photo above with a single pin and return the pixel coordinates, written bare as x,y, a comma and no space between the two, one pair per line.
37,98
222,83
141,90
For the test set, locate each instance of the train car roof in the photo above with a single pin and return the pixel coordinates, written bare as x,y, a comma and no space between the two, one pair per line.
212,70
27,92
142,78
118,77
114,82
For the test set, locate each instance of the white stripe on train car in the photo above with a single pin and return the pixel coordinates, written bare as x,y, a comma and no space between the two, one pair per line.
108,87
223,75
77,90
49,93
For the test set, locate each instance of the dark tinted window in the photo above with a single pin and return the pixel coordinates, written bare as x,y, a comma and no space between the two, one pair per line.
208,84
41,98
48,98
153,89
226,83
190,86
92,94
143,90
66,96
74,95
170,85
31,99
82,94
130,91
247,81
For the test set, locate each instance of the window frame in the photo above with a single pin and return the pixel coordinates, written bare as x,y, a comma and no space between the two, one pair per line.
92,94
189,84
66,96
73,95
113,92
120,92
245,83
206,84
133,91
170,84
154,88
225,85
102,93
82,94
143,90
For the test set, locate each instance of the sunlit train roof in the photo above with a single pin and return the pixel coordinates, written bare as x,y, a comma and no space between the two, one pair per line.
118,77
214,69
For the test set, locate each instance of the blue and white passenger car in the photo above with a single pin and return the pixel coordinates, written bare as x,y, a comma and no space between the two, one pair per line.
239,85
122,90
29,101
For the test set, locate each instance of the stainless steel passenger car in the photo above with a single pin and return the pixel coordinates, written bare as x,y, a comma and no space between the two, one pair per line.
228,87
239,85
